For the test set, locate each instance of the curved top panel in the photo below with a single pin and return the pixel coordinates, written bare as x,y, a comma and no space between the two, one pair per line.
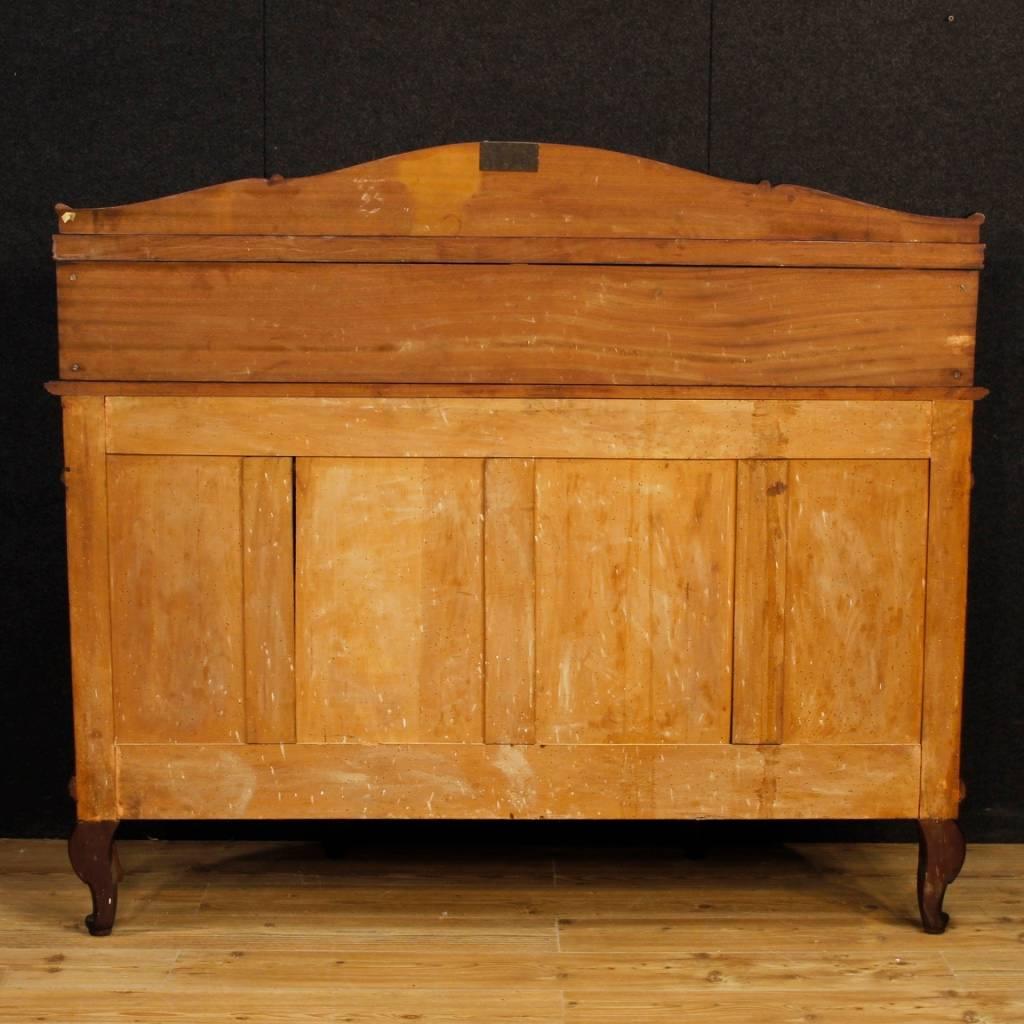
574,192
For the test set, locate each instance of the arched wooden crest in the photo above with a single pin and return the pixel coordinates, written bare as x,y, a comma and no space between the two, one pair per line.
575,192
516,263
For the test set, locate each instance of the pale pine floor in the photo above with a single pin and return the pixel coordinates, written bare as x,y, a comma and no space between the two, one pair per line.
268,933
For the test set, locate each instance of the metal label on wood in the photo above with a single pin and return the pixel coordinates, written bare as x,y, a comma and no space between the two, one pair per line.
509,156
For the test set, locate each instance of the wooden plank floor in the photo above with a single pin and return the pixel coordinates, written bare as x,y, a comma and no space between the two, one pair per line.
268,933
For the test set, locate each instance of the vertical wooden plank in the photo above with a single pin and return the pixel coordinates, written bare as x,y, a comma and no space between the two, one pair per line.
855,601
758,668
450,669
593,602
692,544
85,473
634,597
509,600
269,609
389,602
176,598
948,516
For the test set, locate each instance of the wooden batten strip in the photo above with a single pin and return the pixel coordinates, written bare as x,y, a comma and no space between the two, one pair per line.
85,474
479,780
509,600
761,513
945,615
637,251
518,428
269,600
214,389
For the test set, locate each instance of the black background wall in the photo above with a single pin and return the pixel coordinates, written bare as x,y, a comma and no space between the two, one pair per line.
915,104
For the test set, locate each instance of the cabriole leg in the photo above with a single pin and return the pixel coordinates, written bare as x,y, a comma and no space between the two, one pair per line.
91,849
941,852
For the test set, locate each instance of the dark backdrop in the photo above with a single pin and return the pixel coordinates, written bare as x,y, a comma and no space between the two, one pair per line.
913,104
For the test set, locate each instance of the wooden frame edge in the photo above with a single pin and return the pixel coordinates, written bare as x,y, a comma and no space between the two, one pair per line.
945,608
89,598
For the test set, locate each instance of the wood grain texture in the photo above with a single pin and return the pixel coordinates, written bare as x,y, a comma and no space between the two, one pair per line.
576,191
214,389
762,506
269,600
682,972
634,601
389,600
699,252
175,529
509,600
519,428
515,324
85,475
477,780
856,544
765,933
948,520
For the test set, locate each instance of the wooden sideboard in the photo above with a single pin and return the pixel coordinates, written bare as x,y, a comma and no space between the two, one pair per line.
507,480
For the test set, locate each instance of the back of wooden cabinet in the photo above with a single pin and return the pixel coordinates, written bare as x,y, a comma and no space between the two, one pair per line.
596,599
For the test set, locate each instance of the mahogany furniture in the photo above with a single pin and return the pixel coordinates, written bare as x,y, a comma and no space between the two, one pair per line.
507,480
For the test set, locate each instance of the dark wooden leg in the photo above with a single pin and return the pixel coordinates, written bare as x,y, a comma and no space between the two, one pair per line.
941,852
91,849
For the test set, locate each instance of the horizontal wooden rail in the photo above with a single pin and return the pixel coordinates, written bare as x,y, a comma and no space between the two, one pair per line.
453,780
518,428
214,389
712,252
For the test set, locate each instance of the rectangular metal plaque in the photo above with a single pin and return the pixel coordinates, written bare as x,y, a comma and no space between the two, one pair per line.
509,156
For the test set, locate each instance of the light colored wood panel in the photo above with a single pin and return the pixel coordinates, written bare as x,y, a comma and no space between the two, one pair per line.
1000,959
594,673
575,191
758,670
454,780
269,610
519,428
85,475
951,1005
83,972
358,1006
509,589
215,389
683,972
389,614
293,902
769,935
948,516
761,964
986,860
176,598
638,251
176,929
634,601
855,601
1011,983
691,547
515,324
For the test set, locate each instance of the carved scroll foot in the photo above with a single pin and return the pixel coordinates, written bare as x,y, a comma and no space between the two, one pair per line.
91,849
941,852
